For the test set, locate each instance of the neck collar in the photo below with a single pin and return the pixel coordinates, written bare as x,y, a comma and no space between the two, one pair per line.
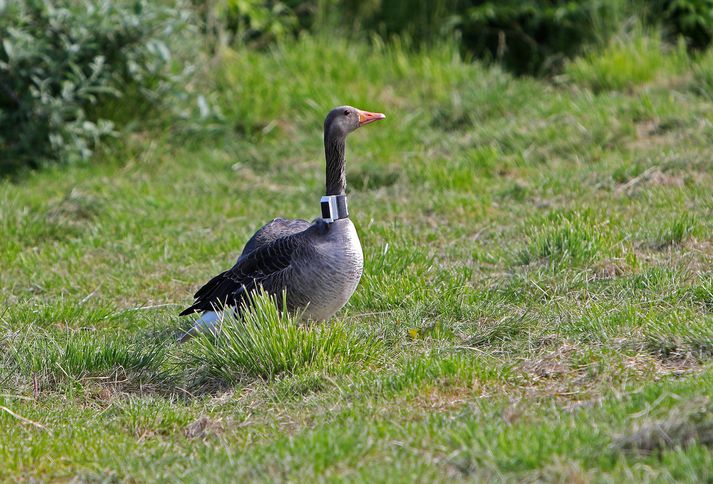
334,207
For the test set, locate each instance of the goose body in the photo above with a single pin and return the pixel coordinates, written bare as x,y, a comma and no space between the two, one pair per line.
318,265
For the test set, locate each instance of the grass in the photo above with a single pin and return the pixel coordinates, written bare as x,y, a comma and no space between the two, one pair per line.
678,230
264,342
50,359
567,238
535,305
629,61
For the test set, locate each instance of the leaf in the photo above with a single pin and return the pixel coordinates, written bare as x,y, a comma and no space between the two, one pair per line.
203,106
7,46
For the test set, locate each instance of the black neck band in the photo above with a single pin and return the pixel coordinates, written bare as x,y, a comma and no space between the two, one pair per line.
334,207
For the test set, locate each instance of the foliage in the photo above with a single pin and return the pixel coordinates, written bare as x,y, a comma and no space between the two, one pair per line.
692,19
258,21
535,36
528,37
62,62
421,21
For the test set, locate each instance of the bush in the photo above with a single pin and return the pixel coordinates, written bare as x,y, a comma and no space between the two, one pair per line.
420,21
258,21
61,64
536,36
531,36
690,19
526,36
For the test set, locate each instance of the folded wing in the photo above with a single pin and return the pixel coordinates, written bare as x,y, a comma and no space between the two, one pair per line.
268,265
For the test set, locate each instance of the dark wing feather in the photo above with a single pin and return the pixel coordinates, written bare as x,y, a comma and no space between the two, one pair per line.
276,229
264,266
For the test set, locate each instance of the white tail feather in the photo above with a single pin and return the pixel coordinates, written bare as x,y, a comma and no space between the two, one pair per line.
208,322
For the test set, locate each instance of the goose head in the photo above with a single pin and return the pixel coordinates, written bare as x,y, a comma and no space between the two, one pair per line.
343,120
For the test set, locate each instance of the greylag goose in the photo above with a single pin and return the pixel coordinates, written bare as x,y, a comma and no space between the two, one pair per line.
317,265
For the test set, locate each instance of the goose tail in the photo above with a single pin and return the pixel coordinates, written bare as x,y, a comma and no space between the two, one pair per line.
209,321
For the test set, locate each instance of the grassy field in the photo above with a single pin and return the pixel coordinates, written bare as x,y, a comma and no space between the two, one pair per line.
536,302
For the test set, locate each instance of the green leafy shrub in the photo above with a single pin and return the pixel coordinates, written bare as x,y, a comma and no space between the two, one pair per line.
258,21
535,36
62,63
531,36
526,36
691,19
420,21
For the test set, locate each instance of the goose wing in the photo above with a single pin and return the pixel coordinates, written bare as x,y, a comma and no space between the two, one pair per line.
276,229
267,265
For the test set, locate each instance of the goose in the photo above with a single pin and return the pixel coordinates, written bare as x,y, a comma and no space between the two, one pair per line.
318,265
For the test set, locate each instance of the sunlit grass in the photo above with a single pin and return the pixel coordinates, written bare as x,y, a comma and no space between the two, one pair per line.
629,61
293,83
49,359
265,342
703,75
678,230
568,238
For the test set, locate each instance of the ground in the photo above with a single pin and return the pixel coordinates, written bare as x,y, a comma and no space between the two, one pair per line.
536,300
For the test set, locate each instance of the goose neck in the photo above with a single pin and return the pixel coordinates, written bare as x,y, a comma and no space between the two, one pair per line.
335,153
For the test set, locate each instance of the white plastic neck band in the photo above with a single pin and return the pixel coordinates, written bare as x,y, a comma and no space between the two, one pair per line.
334,207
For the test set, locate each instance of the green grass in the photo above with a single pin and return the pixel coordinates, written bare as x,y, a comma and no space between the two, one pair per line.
628,62
567,238
51,359
536,299
678,230
264,343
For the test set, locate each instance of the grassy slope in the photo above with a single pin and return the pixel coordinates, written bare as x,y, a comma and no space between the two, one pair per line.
538,280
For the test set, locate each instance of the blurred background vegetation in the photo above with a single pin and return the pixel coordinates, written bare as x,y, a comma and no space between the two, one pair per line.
74,73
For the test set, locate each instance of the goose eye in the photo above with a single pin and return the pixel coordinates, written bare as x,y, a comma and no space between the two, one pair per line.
346,112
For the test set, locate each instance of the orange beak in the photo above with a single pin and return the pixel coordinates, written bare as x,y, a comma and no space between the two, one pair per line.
365,117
